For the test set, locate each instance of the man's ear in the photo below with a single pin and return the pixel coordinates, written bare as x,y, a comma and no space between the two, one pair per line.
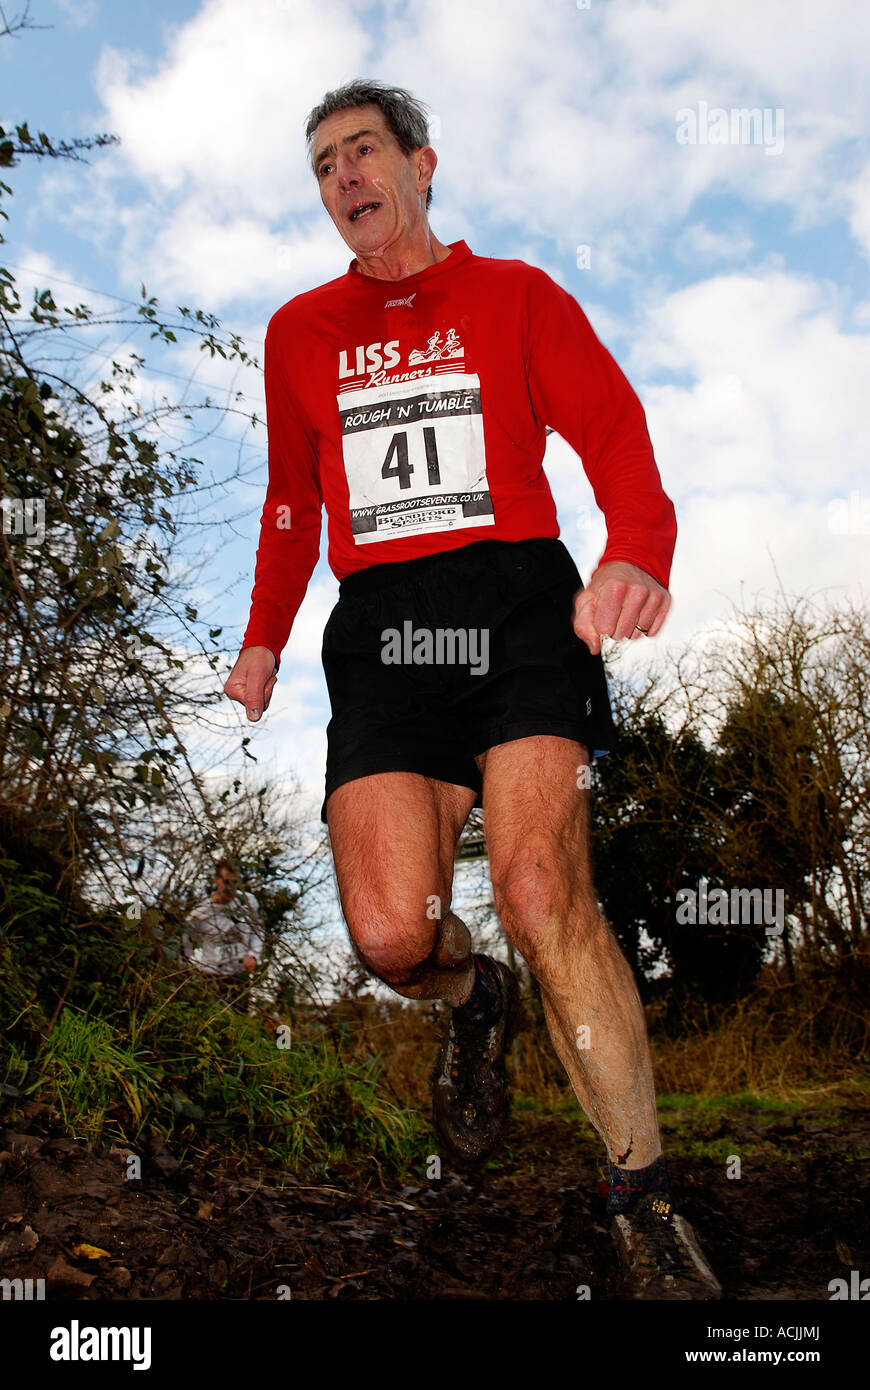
426,162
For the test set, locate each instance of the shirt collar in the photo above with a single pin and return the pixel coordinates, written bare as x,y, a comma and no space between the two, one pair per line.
460,252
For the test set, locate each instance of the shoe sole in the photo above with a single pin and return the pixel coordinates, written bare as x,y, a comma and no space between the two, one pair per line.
513,1022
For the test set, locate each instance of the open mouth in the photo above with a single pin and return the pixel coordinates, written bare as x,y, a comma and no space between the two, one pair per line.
362,210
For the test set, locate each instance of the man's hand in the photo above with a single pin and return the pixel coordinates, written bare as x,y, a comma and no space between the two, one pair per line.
250,963
252,680
620,601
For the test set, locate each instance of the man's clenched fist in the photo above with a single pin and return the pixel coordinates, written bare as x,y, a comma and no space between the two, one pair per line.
252,680
620,601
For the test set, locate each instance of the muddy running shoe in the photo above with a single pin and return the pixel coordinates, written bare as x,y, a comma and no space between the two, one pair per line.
660,1254
470,1093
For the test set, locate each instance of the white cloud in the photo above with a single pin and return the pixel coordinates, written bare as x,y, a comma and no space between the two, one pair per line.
224,108
759,436
231,261
748,542
79,14
859,220
778,385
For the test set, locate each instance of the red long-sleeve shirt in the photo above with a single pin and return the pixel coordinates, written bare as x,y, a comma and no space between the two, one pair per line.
415,410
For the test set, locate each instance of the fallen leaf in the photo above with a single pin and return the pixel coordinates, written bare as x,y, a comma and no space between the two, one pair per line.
90,1252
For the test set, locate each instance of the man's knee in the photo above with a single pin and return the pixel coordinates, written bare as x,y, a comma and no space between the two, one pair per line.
543,896
392,949
414,961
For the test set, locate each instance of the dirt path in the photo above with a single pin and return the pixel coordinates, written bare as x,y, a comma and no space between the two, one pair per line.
532,1228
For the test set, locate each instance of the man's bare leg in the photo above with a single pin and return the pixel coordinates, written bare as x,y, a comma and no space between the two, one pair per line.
536,822
393,838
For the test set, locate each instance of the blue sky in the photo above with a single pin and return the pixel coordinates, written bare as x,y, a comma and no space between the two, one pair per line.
729,281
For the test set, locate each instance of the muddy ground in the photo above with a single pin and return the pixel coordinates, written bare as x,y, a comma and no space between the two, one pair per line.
532,1228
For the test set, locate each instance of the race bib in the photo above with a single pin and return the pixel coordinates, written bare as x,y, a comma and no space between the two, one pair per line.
414,457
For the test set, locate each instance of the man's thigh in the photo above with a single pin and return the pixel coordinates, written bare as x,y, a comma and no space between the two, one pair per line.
393,837
536,814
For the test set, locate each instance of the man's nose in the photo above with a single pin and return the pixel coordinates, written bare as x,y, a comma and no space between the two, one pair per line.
346,172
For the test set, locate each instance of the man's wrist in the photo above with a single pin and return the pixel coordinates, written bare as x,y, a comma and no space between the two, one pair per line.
635,564
250,647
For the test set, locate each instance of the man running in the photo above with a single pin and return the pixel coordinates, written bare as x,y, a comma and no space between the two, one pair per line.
443,533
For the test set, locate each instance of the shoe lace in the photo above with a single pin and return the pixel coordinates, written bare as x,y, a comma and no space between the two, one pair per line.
655,1220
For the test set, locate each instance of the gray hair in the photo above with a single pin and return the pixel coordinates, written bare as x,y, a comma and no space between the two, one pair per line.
404,115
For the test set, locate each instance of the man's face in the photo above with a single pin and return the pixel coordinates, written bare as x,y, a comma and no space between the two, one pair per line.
224,882
374,194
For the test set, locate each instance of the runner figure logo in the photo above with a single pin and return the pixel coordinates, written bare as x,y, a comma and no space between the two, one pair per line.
436,350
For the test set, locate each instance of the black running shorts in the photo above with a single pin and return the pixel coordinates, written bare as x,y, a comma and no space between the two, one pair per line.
430,662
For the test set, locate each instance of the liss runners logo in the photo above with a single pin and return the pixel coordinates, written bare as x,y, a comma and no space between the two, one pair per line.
401,303
369,364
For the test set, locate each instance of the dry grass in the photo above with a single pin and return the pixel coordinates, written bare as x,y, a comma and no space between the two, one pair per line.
781,1042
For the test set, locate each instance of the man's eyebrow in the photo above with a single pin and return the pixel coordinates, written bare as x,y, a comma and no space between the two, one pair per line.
330,149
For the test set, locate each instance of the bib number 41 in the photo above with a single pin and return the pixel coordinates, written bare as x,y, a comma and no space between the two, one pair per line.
397,463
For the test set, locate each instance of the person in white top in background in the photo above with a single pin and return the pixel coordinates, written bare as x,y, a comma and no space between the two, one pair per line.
224,938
